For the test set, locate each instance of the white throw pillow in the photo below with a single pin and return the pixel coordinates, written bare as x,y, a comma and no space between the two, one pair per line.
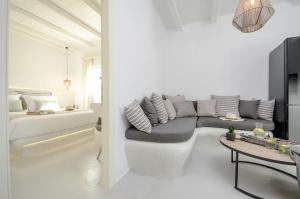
137,117
14,97
170,109
160,108
206,108
37,103
15,106
266,109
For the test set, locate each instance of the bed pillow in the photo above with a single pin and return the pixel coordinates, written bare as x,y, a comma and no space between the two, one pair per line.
46,105
185,109
15,106
175,98
33,104
14,97
137,117
170,109
227,104
206,108
160,108
150,111
248,108
266,109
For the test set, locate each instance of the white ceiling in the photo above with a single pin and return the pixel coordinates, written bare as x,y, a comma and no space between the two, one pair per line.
177,13
74,23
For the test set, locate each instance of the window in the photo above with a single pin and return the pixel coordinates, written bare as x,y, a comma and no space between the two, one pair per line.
93,84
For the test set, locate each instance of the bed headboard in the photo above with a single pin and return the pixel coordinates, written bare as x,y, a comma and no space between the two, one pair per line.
26,91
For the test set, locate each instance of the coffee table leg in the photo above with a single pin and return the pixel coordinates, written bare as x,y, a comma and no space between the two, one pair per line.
237,178
236,168
231,156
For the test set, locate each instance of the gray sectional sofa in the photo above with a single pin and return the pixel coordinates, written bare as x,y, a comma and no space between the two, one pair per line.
182,129
169,145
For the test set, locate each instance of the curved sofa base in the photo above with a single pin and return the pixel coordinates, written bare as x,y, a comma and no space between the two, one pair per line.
158,159
167,159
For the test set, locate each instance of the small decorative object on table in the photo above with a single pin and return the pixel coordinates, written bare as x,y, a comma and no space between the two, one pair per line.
230,135
270,143
231,116
284,147
253,139
259,130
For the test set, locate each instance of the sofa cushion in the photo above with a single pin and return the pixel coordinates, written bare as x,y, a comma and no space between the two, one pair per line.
175,98
248,108
206,108
170,109
178,130
160,108
266,109
227,104
150,111
137,117
185,109
247,125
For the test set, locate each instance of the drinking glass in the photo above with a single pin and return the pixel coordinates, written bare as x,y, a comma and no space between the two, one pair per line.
259,125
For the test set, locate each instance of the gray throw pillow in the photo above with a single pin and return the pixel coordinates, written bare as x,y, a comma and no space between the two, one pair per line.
170,109
149,111
160,108
206,108
266,109
15,106
248,108
227,104
175,98
137,117
185,109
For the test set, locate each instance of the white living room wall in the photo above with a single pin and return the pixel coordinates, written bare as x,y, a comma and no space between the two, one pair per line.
39,65
138,43
200,60
206,59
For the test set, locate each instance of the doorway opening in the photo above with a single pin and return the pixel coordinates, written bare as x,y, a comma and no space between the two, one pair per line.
57,98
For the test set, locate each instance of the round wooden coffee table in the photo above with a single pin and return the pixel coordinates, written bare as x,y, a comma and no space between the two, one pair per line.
258,152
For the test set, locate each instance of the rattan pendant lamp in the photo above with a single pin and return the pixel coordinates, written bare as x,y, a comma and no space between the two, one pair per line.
252,15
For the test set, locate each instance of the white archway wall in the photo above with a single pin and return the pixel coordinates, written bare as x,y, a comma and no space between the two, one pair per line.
137,51
198,61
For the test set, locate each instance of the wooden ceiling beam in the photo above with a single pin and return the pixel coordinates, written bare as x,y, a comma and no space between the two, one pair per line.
49,24
21,28
94,6
53,6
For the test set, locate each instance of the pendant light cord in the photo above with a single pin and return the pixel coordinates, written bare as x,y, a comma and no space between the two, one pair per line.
67,58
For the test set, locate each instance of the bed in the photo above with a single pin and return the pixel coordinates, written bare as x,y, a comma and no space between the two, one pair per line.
25,130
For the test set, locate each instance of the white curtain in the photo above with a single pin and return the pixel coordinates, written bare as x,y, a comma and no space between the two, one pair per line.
91,82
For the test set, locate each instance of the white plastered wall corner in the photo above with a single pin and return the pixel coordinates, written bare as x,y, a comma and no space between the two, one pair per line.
4,160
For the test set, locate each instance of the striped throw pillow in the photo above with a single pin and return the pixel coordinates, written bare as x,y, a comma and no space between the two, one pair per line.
137,117
266,109
160,108
170,109
226,104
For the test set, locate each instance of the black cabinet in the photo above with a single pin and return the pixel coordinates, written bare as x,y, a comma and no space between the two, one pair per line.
284,86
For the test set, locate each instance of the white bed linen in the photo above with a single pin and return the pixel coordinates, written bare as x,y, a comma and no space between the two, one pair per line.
22,125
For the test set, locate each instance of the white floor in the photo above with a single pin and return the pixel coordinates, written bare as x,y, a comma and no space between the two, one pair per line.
73,173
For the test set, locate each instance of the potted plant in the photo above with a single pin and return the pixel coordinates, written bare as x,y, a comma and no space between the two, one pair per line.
230,135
